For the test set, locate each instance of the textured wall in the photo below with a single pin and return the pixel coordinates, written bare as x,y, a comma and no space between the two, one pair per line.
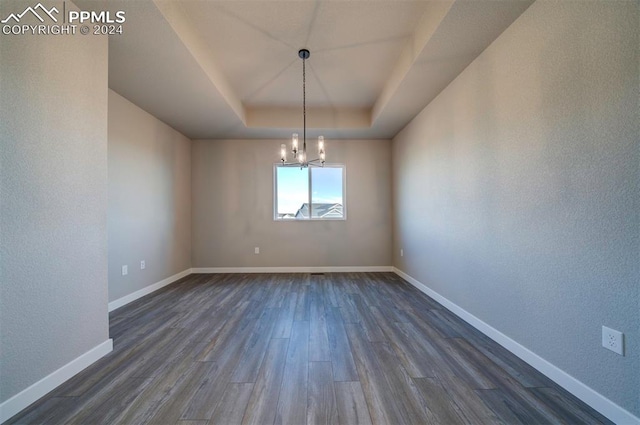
233,208
149,198
53,208
516,190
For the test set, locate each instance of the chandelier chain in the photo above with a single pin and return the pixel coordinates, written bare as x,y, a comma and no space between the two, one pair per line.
304,106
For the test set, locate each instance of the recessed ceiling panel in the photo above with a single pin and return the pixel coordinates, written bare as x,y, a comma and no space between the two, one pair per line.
353,45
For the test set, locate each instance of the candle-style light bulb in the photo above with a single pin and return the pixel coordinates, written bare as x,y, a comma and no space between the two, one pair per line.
283,152
294,144
321,151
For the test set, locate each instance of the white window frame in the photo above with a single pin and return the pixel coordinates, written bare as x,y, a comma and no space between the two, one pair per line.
343,167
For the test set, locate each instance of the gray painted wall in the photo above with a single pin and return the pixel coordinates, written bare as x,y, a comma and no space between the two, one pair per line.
149,198
233,208
53,208
516,190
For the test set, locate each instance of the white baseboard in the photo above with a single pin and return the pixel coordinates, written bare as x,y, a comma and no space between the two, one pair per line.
34,392
606,407
147,290
292,269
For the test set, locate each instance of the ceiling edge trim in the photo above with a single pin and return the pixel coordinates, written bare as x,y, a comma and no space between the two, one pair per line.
429,23
179,22
317,117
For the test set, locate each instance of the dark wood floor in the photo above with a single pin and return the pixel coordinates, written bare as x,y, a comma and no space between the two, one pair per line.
341,348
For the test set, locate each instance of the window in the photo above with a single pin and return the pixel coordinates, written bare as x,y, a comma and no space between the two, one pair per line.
312,193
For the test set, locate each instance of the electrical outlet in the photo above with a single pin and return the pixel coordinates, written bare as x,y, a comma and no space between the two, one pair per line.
401,252
256,250
143,265
125,270
613,340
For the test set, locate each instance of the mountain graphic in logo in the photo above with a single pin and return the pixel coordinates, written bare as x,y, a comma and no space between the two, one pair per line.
34,12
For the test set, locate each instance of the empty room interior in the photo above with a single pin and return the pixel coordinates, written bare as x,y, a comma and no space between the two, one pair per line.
320,212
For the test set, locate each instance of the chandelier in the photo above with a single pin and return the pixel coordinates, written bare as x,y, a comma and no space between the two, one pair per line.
300,155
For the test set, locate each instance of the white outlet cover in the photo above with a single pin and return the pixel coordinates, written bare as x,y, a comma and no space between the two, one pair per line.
256,250
125,270
143,265
613,340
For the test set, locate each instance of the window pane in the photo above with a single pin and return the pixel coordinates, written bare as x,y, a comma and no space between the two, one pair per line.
292,191
327,198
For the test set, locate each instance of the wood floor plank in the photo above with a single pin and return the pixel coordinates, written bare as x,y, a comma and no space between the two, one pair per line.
440,404
204,401
348,311
276,291
395,293
472,372
263,403
321,400
144,326
368,322
566,407
239,324
164,355
377,390
146,403
472,409
233,404
228,354
292,403
442,325
284,323
318,339
344,367
420,321
329,292
206,398
181,394
486,366
107,404
392,313
303,305
431,351
407,396
512,409
408,351
447,358
254,348
351,404
520,371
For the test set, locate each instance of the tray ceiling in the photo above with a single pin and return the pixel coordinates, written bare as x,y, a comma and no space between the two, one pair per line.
230,69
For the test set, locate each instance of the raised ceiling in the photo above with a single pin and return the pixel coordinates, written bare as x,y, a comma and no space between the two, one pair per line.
230,69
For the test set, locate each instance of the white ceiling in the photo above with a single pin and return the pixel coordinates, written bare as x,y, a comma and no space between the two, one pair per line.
230,69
